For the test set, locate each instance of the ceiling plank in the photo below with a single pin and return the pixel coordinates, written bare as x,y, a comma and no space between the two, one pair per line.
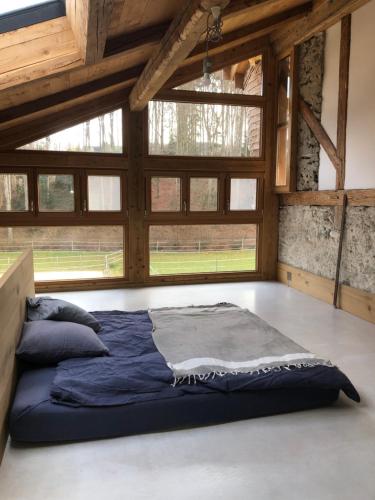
37,51
181,37
90,20
324,14
129,41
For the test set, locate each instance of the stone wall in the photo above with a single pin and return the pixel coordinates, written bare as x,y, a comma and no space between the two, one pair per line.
308,236
309,240
311,67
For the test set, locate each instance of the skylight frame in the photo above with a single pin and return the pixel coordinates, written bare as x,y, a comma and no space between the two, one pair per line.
32,15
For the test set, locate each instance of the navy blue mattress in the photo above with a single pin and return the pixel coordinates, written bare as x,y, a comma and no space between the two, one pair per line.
130,392
35,418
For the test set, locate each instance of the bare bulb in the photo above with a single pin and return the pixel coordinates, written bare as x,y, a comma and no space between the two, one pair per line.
206,79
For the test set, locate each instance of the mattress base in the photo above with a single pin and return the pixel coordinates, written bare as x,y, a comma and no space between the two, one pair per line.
35,419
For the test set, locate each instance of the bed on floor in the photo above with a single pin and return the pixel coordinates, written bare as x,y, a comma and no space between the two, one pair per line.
136,389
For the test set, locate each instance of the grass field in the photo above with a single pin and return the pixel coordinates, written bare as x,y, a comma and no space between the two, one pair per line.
201,262
110,264
45,261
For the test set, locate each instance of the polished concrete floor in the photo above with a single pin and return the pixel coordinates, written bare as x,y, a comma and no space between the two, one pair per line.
325,454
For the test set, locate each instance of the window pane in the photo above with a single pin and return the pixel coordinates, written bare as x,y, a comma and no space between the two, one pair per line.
14,194
245,78
165,194
104,193
203,194
99,135
202,249
189,129
15,5
63,253
243,194
282,153
283,139
56,193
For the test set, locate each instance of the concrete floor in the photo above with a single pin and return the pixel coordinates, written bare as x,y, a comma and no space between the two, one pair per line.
325,454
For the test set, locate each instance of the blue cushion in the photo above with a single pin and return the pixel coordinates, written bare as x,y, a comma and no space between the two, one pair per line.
48,342
59,310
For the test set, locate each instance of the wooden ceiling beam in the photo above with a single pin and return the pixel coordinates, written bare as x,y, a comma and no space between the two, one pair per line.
220,60
181,37
154,34
324,14
90,21
30,107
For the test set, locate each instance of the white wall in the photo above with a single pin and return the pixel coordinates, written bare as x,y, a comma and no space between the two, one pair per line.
327,173
360,142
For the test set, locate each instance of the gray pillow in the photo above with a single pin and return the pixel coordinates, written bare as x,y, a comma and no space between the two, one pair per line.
59,310
48,342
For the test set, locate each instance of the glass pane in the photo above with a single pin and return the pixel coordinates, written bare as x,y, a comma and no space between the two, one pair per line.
282,155
203,194
283,105
99,135
14,196
56,193
283,91
63,253
14,5
189,129
165,194
104,193
245,78
202,249
243,194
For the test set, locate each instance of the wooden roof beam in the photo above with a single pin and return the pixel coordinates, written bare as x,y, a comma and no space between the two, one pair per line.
180,39
323,15
90,20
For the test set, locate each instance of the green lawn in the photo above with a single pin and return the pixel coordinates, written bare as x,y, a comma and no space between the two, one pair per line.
161,263
202,262
56,260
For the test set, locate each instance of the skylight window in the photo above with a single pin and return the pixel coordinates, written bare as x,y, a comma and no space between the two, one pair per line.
14,5
15,14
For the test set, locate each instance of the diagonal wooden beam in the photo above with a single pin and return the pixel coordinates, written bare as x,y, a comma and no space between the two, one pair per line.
324,14
90,20
73,93
154,34
220,60
180,39
320,134
342,110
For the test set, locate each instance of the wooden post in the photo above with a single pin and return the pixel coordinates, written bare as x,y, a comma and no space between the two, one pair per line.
135,196
342,110
339,253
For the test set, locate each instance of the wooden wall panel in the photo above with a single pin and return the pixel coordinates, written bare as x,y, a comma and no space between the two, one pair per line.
15,285
352,300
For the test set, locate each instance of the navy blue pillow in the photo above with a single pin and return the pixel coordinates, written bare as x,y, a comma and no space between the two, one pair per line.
59,310
48,342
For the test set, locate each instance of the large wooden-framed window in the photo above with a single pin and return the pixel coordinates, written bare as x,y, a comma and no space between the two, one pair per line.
129,214
47,209
286,123
212,187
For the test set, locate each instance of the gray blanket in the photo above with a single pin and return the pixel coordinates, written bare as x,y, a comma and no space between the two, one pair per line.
214,340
